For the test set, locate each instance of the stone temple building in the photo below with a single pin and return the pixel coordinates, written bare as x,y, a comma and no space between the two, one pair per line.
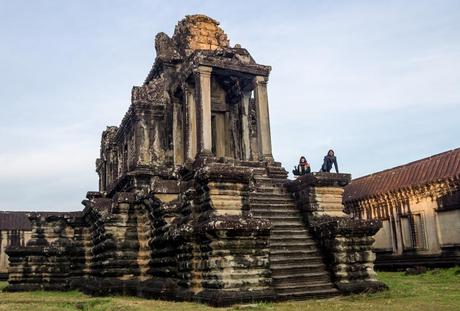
419,206
191,204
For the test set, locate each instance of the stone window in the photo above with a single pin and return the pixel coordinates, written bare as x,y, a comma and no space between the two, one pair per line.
450,201
383,238
14,238
413,231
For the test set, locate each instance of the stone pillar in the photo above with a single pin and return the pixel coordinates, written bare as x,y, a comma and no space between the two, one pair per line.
203,97
245,126
178,133
320,194
220,131
191,142
263,119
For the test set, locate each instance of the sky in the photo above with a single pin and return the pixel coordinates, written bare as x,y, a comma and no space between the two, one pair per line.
377,81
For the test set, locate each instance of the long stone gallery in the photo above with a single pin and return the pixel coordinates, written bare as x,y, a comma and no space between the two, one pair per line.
191,204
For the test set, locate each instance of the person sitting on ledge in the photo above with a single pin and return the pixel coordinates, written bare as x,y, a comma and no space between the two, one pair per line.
303,167
329,159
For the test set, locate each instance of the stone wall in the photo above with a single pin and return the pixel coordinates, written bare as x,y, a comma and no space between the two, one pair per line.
51,259
22,237
205,246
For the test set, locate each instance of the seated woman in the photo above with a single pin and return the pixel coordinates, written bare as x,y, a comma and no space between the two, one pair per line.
303,167
329,159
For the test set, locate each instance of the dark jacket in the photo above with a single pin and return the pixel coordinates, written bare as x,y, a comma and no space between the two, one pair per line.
327,164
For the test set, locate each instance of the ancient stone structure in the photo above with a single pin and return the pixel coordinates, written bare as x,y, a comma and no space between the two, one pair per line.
346,242
419,206
191,204
15,230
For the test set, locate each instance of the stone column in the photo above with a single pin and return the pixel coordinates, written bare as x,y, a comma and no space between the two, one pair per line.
191,143
245,126
178,133
263,119
320,194
203,97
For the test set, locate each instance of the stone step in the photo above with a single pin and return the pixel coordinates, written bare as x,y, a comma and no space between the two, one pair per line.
314,258
278,253
273,179
291,236
278,231
298,225
272,202
278,176
270,199
279,214
300,278
284,217
308,293
291,249
276,224
275,211
286,223
256,165
274,205
303,288
290,244
279,208
296,268
271,188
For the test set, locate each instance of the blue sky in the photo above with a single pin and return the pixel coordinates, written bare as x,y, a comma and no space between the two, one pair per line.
377,81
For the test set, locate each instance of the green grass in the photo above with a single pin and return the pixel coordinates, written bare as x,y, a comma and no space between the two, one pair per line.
435,290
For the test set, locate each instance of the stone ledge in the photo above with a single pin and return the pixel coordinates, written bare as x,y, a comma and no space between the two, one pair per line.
234,223
319,179
329,226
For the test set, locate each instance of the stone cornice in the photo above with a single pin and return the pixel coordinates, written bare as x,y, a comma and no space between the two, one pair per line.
319,179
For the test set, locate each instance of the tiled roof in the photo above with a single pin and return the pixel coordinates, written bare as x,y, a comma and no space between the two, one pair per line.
20,221
425,171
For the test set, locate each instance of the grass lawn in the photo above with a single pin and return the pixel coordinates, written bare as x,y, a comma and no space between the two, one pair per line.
437,289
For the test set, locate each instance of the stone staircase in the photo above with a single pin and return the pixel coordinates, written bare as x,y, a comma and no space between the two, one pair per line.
297,267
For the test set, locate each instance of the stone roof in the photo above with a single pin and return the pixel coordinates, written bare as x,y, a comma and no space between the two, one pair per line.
199,32
20,220
151,92
196,39
426,171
